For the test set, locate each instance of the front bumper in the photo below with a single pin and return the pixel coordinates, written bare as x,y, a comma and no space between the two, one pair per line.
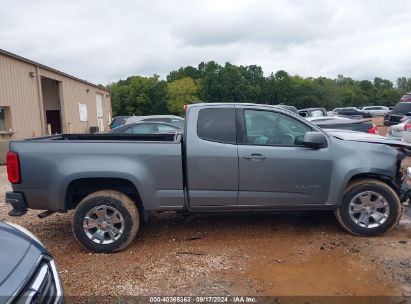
18,203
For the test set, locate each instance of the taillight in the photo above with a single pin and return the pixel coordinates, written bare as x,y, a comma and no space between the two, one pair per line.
407,126
13,167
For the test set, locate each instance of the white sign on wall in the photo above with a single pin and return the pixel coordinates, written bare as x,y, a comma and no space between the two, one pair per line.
82,108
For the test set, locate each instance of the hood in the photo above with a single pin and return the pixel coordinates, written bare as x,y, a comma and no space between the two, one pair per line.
369,138
17,246
18,256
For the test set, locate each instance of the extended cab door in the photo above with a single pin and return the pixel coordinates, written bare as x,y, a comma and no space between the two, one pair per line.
275,169
211,156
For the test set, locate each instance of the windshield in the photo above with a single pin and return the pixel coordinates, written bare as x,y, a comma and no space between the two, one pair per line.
402,108
317,113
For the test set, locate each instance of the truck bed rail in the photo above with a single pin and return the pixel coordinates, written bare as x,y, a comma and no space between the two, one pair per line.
169,137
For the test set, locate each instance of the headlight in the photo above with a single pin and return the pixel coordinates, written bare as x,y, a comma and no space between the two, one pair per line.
25,231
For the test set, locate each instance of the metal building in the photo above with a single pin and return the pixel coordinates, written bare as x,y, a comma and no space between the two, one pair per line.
38,100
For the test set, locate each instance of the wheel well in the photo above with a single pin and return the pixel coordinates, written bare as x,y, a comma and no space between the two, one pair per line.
382,178
80,188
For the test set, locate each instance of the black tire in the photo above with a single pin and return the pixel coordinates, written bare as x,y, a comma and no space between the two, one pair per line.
128,221
354,188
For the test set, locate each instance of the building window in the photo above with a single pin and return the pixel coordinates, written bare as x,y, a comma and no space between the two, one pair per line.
2,120
5,120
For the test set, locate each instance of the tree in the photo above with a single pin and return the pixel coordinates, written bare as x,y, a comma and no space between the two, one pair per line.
181,73
139,96
212,82
181,92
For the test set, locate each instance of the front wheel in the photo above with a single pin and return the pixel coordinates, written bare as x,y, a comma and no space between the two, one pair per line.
369,207
105,221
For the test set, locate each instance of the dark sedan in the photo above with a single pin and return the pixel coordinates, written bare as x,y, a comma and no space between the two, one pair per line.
352,111
28,273
146,128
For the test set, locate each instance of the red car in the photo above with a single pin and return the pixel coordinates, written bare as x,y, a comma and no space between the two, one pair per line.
406,98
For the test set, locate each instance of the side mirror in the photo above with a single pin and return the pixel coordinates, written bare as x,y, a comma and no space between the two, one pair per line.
315,140
408,114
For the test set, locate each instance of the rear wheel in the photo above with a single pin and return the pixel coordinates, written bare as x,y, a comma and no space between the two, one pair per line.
369,208
106,221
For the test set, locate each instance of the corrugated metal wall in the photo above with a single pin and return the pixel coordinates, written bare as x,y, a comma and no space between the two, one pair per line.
19,91
72,93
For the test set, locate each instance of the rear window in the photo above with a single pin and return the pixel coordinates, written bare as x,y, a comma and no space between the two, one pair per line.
317,113
217,125
174,121
118,121
402,108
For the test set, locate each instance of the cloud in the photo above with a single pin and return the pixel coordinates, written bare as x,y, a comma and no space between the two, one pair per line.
103,41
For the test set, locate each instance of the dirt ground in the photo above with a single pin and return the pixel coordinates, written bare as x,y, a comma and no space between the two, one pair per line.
303,253
379,123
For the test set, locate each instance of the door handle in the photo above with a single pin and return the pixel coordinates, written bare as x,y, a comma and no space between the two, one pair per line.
254,156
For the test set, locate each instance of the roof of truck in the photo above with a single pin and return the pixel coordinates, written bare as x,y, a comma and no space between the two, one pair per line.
210,104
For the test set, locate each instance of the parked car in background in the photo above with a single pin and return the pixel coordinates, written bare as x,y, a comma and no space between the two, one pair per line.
397,131
352,112
146,128
333,112
313,112
118,121
387,117
289,108
28,273
343,123
171,119
406,98
406,135
374,111
400,113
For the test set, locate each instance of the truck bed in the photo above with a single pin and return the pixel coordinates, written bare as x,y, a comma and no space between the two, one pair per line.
49,165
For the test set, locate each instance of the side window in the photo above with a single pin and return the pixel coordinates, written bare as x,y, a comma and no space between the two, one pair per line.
142,129
178,122
165,128
162,119
271,128
217,124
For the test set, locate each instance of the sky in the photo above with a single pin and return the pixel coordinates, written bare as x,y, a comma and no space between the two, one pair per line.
103,41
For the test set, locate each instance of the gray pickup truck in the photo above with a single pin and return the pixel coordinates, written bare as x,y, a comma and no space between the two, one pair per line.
231,157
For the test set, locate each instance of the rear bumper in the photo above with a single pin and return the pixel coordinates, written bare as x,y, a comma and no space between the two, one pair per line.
18,203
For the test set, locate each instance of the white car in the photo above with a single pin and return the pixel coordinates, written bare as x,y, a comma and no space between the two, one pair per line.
402,131
376,110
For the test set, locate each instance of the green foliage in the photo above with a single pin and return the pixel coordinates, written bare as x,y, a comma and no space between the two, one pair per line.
211,82
139,96
181,92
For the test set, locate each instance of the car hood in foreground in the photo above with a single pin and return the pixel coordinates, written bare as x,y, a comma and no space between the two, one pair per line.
369,138
18,257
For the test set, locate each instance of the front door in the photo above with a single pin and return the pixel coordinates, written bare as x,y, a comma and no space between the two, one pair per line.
100,115
274,167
